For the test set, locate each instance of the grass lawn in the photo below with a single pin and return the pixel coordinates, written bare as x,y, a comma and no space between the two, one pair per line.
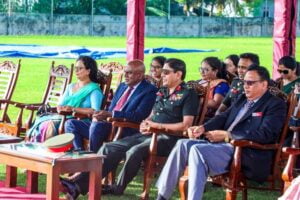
34,75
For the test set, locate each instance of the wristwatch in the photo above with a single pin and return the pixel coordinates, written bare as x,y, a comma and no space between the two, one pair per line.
227,139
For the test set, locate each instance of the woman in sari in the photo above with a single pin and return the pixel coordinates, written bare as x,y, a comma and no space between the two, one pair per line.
288,74
84,96
214,72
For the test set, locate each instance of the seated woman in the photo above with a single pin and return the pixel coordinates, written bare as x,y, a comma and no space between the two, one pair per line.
213,71
288,74
85,97
231,63
156,66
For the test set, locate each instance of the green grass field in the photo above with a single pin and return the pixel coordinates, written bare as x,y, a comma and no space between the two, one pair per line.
34,74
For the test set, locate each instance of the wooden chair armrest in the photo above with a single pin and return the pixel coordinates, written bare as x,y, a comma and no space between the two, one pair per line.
65,113
33,107
251,144
78,115
166,131
126,124
16,104
291,151
295,128
114,119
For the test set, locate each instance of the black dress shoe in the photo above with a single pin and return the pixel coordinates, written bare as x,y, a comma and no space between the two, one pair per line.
107,189
70,189
112,189
160,197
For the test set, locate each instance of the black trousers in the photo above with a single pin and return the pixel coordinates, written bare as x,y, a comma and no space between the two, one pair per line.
133,149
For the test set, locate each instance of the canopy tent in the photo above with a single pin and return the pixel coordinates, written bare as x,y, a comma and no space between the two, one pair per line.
135,29
284,35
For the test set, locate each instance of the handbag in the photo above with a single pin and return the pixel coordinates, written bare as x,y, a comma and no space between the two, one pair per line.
43,110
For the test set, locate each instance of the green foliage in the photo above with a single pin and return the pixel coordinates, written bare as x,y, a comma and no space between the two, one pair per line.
113,7
117,7
42,6
155,12
3,8
256,7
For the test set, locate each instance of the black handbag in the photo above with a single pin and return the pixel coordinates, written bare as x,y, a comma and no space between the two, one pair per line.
43,110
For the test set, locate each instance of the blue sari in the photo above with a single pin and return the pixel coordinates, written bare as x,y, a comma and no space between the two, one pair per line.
47,126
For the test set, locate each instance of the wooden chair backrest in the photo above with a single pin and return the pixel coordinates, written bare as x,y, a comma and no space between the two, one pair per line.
116,69
203,93
277,166
105,79
9,73
60,77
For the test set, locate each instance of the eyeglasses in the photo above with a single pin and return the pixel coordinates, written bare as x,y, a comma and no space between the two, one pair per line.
250,83
166,71
285,71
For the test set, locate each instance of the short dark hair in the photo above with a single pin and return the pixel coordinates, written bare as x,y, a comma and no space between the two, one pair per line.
251,56
288,62
234,58
262,72
91,64
160,59
177,65
216,64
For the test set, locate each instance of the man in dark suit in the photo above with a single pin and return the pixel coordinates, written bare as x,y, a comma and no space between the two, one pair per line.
257,115
133,100
175,107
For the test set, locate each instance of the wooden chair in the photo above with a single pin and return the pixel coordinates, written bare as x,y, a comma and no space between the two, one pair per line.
59,77
293,152
234,181
9,73
116,69
153,163
105,80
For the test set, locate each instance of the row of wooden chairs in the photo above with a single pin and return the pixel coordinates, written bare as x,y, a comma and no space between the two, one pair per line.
59,77
234,181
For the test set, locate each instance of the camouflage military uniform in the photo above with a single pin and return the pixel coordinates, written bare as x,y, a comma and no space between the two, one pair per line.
236,88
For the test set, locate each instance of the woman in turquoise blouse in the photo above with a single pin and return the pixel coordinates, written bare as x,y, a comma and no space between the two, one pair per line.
288,73
84,96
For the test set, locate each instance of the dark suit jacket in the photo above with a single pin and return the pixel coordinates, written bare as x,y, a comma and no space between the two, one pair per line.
261,124
139,105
